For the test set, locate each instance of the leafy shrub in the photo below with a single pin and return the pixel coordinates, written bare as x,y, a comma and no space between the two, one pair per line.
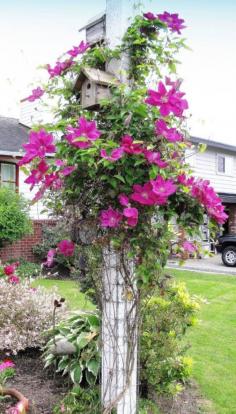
147,407
80,400
51,236
25,314
14,218
164,368
82,330
28,269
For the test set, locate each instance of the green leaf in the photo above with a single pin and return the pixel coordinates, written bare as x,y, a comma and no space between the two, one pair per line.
91,379
83,339
119,177
76,375
93,366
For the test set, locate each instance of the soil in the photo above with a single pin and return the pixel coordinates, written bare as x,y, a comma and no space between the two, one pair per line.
45,389
42,387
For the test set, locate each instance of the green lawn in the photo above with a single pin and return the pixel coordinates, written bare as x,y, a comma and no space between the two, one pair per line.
214,339
68,290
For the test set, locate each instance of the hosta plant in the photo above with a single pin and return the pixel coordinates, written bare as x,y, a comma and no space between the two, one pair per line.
82,331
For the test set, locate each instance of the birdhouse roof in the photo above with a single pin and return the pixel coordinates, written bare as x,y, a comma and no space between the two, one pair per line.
95,75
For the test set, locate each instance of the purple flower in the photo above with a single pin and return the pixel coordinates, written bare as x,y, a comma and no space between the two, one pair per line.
168,101
150,16
155,158
6,364
66,247
143,194
124,200
116,154
68,170
36,94
59,68
110,218
174,23
40,144
77,50
50,258
171,134
131,213
189,247
82,136
127,143
37,174
163,188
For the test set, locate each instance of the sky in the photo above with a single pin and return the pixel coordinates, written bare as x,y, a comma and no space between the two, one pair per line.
34,32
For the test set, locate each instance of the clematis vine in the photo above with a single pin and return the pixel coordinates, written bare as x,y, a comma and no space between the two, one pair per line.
115,155
170,134
66,247
128,145
168,101
155,158
110,218
59,68
37,174
36,94
174,23
77,50
149,16
131,213
40,144
82,136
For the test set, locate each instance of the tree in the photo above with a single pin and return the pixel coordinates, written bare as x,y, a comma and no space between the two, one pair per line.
120,178
14,219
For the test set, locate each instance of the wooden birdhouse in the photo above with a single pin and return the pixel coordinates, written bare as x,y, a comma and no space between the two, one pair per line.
95,29
93,85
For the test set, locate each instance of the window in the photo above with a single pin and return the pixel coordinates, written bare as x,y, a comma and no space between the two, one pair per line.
221,163
225,164
7,175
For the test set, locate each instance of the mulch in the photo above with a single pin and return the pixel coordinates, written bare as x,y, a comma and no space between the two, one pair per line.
42,387
45,389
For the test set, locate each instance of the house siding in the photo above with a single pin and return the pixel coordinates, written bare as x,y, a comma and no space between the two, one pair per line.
204,165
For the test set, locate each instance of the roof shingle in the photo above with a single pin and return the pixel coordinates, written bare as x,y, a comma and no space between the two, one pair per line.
13,134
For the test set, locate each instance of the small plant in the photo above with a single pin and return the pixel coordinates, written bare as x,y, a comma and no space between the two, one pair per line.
82,332
7,371
14,218
80,400
28,269
25,314
164,367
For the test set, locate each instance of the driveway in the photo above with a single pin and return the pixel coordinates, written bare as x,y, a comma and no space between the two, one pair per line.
209,265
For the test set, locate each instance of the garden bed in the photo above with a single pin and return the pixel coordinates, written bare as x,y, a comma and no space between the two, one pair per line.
42,387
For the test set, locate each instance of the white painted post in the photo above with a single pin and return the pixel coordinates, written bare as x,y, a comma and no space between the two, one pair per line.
119,337
119,318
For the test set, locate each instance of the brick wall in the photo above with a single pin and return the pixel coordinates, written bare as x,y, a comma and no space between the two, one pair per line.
23,247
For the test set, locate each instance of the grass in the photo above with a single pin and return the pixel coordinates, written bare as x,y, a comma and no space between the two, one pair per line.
69,290
214,339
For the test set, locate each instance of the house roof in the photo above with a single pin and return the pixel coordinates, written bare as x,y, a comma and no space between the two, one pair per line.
214,144
13,135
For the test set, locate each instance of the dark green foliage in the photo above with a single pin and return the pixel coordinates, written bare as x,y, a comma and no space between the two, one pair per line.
14,219
82,330
28,269
80,401
166,316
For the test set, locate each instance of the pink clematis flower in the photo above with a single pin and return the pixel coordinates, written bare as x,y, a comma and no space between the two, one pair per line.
60,163
13,279
68,170
149,16
116,154
189,247
127,143
66,247
170,134
155,158
9,269
37,174
82,136
173,21
168,101
50,258
131,213
6,364
59,68
143,194
163,189
77,50
36,94
19,408
110,218
40,144
123,200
